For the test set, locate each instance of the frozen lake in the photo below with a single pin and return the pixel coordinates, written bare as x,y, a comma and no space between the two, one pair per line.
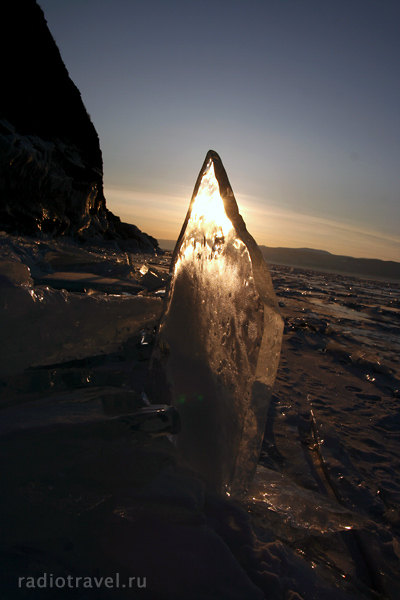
322,519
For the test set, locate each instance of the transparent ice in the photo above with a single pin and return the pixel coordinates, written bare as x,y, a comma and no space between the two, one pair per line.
297,507
219,340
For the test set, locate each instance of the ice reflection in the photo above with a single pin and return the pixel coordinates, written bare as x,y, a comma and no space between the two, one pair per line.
298,507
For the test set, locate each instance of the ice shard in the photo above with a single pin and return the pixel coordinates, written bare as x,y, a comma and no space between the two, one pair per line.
219,340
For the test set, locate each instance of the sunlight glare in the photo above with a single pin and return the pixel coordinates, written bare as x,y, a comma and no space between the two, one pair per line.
208,205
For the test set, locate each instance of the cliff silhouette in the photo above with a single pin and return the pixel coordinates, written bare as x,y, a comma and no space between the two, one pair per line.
51,168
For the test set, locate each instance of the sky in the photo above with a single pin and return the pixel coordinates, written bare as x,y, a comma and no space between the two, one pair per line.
300,98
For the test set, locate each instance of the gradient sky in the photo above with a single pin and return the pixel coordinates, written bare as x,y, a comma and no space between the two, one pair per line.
300,98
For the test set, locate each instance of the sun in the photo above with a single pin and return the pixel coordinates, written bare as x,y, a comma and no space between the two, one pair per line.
208,206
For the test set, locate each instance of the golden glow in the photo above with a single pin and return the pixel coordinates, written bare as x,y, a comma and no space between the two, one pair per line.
159,214
209,230
208,206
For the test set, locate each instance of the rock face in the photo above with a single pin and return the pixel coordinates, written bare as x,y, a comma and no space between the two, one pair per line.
51,170
219,340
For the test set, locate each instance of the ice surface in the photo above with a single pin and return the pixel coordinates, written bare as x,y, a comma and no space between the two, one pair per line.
219,339
299,507
43,326
325,519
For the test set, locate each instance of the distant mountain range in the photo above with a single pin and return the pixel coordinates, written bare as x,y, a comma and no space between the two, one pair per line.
321,260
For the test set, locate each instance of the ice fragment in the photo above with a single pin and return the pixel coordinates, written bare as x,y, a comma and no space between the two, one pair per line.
219,340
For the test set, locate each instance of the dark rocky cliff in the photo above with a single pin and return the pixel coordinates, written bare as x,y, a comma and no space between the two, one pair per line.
51,170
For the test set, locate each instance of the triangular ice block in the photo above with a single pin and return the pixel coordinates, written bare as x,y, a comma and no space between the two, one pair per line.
218,346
